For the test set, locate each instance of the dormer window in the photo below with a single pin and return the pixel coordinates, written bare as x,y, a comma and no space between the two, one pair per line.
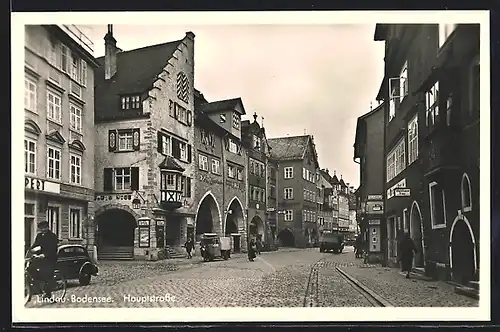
131,102
256,142
236,121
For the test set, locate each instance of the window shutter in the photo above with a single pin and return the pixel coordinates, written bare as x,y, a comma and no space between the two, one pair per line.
189,118
238,149
108,179
226,143
189,158
112,140
136,139
176,112
134,175
188,187
160,142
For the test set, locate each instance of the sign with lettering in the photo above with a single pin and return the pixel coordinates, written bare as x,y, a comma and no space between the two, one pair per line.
143,222
271,209
160,222
375,197
400,184
374,222
402,192
374,207
41,185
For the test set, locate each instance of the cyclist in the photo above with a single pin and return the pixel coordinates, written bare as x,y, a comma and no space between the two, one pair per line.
48,241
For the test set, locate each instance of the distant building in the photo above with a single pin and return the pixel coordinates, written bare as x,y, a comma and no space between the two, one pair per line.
298,163
144,167
324,182
58,135
220,191
431,89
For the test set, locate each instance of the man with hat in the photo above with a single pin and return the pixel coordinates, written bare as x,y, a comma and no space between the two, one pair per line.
48,241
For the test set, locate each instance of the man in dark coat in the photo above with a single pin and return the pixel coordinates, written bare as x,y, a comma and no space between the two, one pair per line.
189,247
251,250
407,249
48,241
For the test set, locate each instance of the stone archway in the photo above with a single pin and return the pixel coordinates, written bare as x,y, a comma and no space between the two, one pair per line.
256,228
286,237
208,218
462,250
116,226
234,220
415,231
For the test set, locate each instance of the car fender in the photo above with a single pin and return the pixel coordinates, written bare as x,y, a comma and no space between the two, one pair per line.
85,266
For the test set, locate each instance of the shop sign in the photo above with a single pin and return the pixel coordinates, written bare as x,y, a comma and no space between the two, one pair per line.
402,192
374,222
375,197
41,185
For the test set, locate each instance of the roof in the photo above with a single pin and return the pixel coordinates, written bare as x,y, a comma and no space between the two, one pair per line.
380,32
223,105
289,148
136,71
169,163
360,125
335,179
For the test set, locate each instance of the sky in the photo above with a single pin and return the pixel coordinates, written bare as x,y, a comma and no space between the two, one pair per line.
313,79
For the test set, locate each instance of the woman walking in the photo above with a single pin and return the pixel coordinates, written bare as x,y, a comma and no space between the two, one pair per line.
406,252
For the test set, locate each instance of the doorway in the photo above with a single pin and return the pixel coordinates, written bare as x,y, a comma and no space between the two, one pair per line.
28,233
236,242
416,234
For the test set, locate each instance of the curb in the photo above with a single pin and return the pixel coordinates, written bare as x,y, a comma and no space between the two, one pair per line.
377,297
467,291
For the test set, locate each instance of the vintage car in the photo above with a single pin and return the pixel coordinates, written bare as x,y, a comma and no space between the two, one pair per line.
73,261
331,241
213,246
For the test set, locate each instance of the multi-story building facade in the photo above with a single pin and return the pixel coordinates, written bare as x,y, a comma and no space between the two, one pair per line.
58,135
144,174
221,174
272,201
324,182
297,206
255,142
369,154
343,206
353,224
436,155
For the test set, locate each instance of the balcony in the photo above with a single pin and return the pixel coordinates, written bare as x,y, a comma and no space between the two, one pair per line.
443,150
170,199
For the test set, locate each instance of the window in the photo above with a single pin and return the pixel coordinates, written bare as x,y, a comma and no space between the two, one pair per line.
52,56
437,206
240,174
53,219
183,151
215,166
65,55
432,105
54,106
288,172
75,169
445,31
466,194
75,224
29,94
256,142
75,118
166,145
288,215
392,109
398,89
305,194
125,141
288,193
122,179
413,139
131,102
222,118
403,80
449,104
203,162
231,171
76,70
29,156
236,121
396,162
53,163
233,147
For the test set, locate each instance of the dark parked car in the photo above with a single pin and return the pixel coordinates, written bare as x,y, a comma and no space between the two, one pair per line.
74,262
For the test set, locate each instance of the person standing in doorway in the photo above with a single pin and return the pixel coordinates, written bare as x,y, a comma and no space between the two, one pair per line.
189,247
407,250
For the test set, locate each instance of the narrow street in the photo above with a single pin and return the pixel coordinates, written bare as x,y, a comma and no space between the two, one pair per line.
285,278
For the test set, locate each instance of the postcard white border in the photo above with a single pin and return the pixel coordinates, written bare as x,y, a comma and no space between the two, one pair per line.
21,314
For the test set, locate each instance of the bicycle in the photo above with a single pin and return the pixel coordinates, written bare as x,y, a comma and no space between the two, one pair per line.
33,284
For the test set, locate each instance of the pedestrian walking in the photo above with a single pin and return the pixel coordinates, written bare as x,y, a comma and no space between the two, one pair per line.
189,247
252,248
258,246
407,250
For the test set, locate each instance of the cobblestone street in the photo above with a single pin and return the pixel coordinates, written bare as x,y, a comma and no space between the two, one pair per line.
286,278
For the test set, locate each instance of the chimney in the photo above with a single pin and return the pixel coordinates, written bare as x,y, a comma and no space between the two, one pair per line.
327,171
110,54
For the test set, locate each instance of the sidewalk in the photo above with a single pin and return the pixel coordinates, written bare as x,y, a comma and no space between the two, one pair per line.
391,284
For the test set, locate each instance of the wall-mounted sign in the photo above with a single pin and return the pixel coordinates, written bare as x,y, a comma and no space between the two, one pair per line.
402,192
375,197
143,222
374,207
374,222
41,185
271,209
400,184
257,206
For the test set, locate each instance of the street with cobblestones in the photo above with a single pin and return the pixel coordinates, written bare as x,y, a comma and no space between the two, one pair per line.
285,278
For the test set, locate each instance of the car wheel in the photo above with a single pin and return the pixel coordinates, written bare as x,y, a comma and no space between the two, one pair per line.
84,278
